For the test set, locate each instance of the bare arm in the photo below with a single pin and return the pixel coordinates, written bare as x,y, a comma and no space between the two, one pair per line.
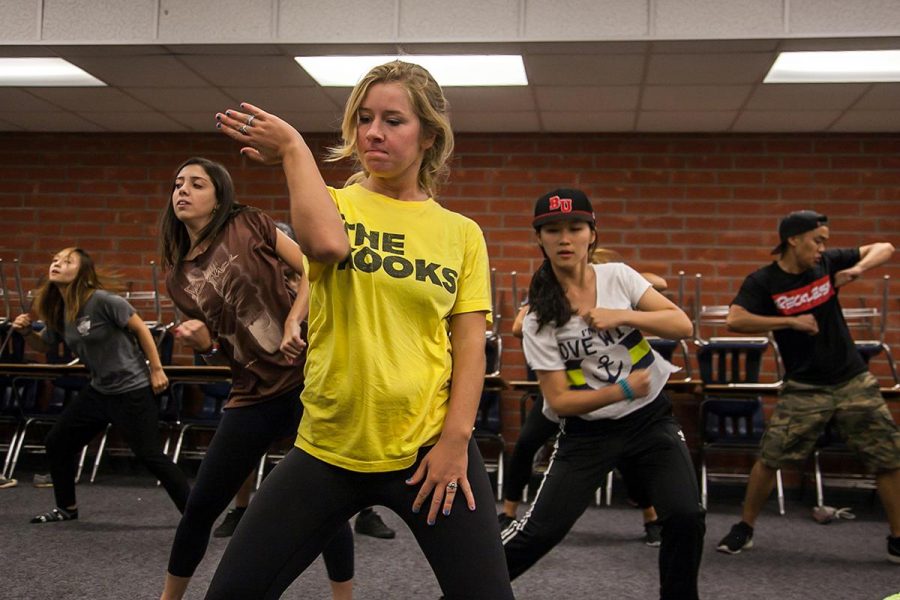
743,321
655,314
519,322
314,216
870,256
22,324
158,379
447,462
292,344
567,402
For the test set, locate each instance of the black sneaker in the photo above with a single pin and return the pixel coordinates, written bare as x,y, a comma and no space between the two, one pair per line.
55,515
229,523
894,549
653,534
505,521
739,538
369,523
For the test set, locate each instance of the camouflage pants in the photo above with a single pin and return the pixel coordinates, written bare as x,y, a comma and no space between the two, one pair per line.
860,415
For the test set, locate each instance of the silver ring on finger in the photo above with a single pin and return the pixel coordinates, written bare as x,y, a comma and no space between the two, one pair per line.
243,129
250,120
451,487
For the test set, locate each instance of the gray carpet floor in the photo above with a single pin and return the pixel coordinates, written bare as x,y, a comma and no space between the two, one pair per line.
119,547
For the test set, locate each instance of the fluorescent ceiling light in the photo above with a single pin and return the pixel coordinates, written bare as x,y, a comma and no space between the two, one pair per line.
858,66
448,70
40,72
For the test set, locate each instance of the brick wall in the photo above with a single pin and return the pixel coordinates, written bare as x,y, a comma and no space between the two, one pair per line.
705,204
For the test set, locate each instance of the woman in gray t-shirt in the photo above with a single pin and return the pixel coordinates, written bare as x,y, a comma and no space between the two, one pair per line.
115,345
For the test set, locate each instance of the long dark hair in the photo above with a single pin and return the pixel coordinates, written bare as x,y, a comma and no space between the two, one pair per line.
56,307
175,242
546,296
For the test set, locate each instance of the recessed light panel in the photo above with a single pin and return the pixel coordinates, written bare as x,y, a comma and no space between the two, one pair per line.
448,70
41,72
857,66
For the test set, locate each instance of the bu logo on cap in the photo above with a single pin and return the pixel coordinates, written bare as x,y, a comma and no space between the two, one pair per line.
561,204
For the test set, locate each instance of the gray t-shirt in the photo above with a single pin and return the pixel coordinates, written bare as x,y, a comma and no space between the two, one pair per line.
99,337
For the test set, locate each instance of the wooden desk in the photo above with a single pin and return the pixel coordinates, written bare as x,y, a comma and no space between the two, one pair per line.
495,383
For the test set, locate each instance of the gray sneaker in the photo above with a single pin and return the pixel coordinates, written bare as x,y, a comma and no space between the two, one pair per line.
42,480
7,483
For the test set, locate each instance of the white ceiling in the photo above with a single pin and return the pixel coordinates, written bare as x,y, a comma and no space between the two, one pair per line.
658,86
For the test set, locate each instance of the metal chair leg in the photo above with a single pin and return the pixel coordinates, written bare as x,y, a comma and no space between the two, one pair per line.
259,471
81,459
609,485
780,484
99,456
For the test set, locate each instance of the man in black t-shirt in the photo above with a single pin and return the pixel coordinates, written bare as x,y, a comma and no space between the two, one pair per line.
796,297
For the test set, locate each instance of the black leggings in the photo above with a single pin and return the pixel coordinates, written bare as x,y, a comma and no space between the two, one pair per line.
536,431
244,434
305,500
649,445
136,415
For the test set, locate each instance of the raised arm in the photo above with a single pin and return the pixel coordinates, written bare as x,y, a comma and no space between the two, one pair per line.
314,217
22,324
870,256
655,315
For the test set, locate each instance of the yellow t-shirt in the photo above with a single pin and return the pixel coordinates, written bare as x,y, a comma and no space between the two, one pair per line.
378,364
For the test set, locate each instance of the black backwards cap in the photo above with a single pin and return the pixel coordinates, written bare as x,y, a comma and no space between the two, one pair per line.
796,223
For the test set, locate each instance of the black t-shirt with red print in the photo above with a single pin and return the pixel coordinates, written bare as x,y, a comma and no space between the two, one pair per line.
827,358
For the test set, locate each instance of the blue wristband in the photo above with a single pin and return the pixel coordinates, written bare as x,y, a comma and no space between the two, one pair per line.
629,393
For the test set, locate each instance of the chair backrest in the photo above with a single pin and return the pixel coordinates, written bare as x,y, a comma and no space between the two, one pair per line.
731,360
488,417
14,350
737,420
870,319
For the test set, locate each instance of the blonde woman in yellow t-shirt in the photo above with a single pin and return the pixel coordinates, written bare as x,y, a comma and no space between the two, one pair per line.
382,424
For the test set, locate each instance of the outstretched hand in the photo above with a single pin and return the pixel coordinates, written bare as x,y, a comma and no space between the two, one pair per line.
266,137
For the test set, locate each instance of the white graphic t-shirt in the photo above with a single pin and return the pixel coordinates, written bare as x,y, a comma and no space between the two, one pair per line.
595,358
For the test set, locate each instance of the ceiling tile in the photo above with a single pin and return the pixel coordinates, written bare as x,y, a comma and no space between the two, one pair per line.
94,99
138,71
24,51
437,20
797,120
235,20
279,99
495,121
566,69
713,46
696,97
585,19
579,121
143,121
201,121
314,20
184,99
64,20
881,96
583,47
707,120
19,100
868,120
242,71
7,126
587,98
50,121
684,69
768,96
718,19
489,99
